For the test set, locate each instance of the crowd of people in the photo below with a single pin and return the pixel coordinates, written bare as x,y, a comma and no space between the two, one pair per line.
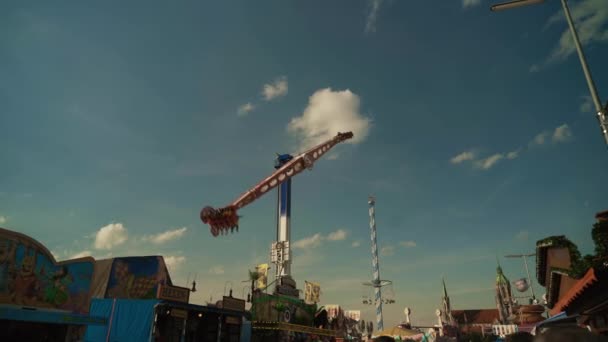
570,334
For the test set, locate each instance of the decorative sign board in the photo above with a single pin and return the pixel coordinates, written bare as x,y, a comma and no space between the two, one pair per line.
233,320
235,304
173,293
179,313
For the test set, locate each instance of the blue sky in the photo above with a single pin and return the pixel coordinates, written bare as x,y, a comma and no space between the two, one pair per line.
474,131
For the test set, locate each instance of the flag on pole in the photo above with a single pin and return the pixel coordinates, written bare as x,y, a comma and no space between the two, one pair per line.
262,270
311,292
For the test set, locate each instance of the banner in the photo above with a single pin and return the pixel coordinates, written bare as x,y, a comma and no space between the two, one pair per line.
333,311
353,314
312,292
262,281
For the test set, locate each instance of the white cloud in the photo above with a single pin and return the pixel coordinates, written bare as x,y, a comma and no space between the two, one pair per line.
173,262
3,219
470,3
540,138
338,235
586,104
309,242
219,269
316,239
591,19
356,244
333,156
522,235
111,235
370,23
561,134
490,161
387,250
243,110
275,89
408,244
80,255
512,154
464,156
166,236
329,112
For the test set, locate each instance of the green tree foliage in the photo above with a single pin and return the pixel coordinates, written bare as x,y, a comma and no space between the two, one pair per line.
579,265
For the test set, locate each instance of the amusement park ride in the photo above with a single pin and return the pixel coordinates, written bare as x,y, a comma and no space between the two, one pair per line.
377,284
226,219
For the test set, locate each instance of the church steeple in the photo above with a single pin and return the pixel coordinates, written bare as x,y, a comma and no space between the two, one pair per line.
503,294
447,308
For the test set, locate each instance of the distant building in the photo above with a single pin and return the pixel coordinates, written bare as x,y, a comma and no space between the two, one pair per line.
476,320
504,297
577,285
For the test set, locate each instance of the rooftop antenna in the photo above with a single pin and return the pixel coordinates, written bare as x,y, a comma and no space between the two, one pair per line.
194,283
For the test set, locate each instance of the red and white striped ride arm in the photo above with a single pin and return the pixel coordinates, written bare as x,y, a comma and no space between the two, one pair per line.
303,161
224,219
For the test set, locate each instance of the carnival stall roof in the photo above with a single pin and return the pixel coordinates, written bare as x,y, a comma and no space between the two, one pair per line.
481,316
590,289
129,277
398,331
133,319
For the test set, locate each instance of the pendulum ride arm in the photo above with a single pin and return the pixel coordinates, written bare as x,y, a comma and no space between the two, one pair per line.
221,220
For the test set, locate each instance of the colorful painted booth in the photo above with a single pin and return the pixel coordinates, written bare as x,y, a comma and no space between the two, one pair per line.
136,297
40,298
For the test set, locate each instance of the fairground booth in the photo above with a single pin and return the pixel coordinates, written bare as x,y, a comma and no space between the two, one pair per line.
42,299
120,299
140,303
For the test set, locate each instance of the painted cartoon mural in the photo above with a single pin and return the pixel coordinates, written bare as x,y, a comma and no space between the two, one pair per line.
137,277
30,276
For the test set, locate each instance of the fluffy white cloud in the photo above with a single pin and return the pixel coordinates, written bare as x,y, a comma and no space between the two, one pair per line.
408,244
356,244
82,254
591,18
470,3
329,112
111,235
245,109
166,236
561,134
540,138
217,270
339,234
490,161
308,242
316,239
483,163
512,154
387,250
464,156
3,219
370,23
173,262
275,89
